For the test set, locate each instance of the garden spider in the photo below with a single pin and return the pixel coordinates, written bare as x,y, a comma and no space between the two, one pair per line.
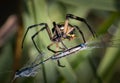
60,32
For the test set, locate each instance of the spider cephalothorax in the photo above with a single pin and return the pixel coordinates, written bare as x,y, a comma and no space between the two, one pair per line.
59,33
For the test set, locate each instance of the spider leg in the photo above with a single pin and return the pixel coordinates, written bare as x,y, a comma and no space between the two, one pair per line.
66,25
58,32
64,45
79,19
48,47
57,46
47,29
58,61
80,33
59,64
34,26
69,30
35,43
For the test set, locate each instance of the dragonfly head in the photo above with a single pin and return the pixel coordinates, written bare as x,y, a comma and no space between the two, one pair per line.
15,76
82,45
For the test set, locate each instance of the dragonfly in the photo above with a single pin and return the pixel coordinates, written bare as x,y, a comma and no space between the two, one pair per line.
32,70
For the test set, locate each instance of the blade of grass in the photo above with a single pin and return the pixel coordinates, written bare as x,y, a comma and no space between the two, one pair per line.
107,23
106,67
35,21
67,73
93,4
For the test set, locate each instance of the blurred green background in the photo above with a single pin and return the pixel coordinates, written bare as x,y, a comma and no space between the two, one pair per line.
89,66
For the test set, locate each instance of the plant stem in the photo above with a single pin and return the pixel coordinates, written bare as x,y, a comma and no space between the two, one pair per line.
35,21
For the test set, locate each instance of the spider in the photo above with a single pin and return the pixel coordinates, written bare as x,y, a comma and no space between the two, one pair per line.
59,33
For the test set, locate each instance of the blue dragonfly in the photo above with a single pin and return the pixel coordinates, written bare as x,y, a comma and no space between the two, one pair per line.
32,70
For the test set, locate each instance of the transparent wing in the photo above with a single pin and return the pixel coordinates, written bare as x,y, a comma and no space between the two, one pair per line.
101,43
30,70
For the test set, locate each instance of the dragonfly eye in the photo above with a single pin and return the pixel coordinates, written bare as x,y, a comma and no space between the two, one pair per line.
17,72
82,45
